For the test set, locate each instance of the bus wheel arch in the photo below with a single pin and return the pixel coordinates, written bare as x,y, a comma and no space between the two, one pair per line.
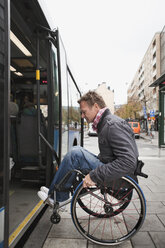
75,143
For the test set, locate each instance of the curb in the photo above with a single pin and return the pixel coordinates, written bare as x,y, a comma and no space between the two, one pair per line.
142,137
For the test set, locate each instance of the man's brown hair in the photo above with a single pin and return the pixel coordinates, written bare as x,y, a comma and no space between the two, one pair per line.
91,97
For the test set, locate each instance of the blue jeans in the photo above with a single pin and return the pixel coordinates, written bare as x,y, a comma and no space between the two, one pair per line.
78,158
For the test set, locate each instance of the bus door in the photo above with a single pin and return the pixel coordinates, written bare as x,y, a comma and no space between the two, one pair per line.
63,76
70,93
4,122
64,119
60,97
70,122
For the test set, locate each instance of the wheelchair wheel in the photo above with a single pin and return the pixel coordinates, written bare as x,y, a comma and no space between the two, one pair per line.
122,198
109,216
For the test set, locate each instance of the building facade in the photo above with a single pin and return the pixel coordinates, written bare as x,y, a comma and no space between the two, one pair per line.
147,73
159,83
107,95
162,52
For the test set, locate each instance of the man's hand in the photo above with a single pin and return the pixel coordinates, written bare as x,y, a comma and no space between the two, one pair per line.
87,182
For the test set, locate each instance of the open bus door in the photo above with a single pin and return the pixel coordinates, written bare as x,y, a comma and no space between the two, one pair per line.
4,122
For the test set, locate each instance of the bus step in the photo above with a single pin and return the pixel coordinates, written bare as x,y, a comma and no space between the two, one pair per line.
33,174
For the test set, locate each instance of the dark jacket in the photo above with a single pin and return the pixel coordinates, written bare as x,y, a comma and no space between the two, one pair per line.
118,150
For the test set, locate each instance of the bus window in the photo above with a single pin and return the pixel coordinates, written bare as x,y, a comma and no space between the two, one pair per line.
74,114
55,100
64,96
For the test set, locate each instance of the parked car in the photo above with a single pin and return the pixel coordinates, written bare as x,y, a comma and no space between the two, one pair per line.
135,125
91,132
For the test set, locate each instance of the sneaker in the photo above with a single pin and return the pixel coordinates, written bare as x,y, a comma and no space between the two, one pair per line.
44,189
44,197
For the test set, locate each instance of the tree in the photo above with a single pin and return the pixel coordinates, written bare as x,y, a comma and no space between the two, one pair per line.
130,110
74,114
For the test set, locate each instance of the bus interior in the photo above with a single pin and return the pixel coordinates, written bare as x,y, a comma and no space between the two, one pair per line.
42,108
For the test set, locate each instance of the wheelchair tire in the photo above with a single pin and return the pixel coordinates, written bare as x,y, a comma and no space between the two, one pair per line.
107,216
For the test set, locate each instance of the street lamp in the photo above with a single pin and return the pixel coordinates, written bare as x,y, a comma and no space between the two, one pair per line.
144,100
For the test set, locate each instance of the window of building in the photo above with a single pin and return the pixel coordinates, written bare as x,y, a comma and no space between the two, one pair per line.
154,55
154,67
154,43
154,78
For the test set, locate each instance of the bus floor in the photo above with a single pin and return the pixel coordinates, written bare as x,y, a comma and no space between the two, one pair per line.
22,199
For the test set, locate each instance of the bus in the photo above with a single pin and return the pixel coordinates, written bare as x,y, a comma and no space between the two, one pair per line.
39,114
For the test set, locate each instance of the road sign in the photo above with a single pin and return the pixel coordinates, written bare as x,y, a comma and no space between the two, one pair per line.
152,113
144,110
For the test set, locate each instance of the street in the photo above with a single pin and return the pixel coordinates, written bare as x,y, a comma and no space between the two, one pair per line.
151,234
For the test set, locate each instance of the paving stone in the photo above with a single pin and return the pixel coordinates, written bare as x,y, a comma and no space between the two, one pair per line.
157,188
161,181
147,183
65,229
126,244
152,223
66,213
158,238
142,240
78,243
145,189
162,218
153,178
155,207
155,196
63,243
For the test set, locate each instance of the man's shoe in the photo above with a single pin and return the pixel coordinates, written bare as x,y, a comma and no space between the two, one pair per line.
44,197
44,189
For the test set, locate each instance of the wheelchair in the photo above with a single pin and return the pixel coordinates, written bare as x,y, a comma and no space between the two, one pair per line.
106,215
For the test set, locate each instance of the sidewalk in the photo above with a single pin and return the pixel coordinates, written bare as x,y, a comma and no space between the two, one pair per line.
154,140
151,234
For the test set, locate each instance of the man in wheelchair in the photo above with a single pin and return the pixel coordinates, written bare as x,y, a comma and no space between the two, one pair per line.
118,152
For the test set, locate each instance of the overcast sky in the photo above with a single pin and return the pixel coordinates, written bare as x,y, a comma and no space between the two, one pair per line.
106,40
